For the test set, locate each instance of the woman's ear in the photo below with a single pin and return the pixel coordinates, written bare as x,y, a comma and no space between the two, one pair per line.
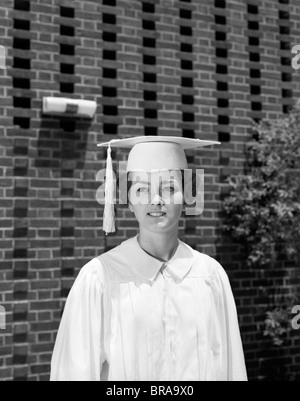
130,207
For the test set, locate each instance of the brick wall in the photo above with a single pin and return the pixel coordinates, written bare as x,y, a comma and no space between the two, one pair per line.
192,68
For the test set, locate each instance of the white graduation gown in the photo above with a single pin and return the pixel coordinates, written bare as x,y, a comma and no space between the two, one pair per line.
130,317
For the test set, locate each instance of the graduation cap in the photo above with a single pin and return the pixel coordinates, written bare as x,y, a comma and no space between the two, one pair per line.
147,154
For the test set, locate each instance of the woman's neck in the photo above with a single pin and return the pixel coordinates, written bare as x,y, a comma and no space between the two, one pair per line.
161,246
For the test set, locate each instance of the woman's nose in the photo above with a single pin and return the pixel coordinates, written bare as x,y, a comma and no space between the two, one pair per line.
156,199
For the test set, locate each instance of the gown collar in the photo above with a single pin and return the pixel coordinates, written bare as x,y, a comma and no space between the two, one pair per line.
148,267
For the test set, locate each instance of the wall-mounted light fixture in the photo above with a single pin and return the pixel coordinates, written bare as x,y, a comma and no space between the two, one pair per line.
60,106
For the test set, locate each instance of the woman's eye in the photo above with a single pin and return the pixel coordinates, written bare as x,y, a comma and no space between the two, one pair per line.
142,190
169,189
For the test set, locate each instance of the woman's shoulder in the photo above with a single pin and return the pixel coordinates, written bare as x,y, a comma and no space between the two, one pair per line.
92,269
105,268
117,263
205,264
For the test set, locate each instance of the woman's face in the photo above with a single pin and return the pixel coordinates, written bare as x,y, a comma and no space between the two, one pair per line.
156,199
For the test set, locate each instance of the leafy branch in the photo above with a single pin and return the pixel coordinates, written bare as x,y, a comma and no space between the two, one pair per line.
263,208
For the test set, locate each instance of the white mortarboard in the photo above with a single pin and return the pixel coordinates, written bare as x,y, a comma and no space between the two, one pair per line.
148,154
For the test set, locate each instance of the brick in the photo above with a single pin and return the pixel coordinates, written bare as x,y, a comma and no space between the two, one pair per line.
20,372
5,373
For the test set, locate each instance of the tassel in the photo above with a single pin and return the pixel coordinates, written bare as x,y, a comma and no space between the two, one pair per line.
109,208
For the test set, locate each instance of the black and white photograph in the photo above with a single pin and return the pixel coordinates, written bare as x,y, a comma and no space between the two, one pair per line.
150,193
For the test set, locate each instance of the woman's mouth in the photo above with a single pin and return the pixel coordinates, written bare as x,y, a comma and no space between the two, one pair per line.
157,215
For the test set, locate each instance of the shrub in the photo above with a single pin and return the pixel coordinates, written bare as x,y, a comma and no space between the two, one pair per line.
277,324
263,208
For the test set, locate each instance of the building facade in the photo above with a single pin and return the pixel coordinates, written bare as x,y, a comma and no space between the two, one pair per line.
192,68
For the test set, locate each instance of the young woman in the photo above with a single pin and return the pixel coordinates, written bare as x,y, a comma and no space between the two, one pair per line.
152,309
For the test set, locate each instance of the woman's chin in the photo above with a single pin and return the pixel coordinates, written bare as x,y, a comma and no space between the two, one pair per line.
160,227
